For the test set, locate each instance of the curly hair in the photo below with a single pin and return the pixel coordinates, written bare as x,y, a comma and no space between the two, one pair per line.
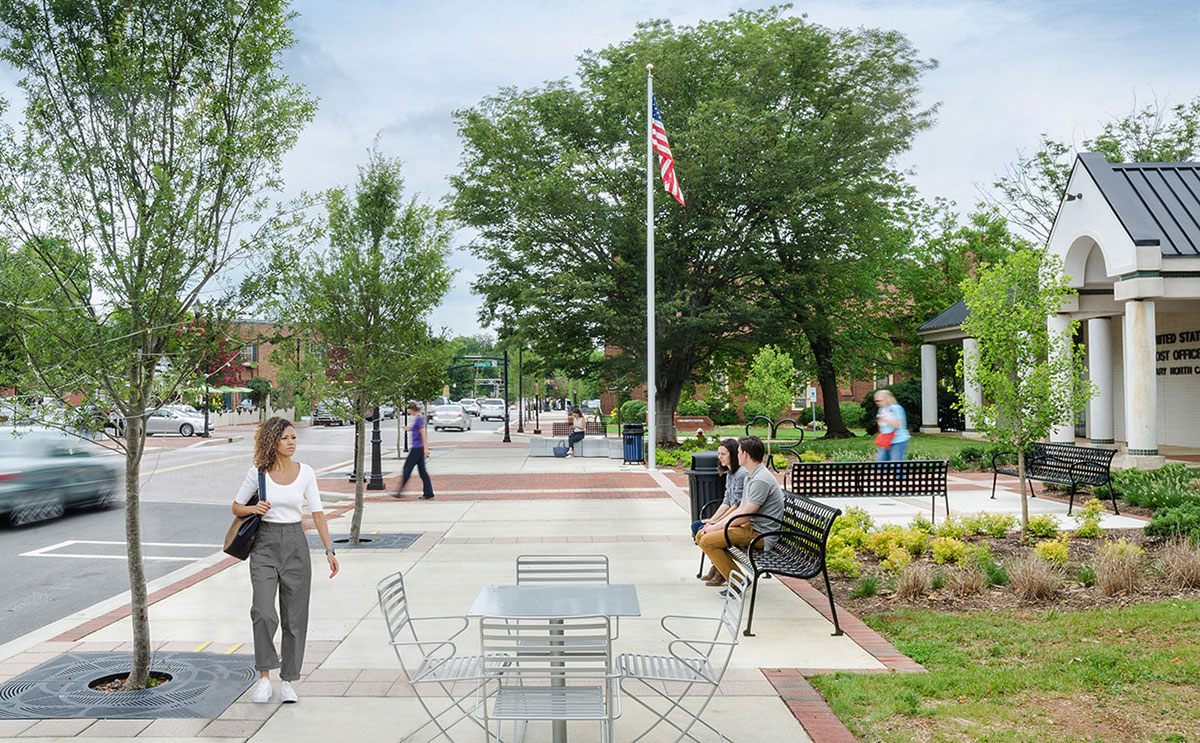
266,441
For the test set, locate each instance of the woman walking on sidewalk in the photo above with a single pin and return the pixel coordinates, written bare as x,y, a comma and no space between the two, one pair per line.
417,454
279,561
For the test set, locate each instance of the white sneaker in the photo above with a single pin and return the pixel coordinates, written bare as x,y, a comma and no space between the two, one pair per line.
262,691
287,694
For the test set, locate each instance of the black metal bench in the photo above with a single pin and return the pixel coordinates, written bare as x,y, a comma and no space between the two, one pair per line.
591,428
905,479
782,446
799,551
1063,464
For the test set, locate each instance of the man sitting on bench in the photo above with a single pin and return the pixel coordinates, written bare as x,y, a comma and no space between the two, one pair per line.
762,495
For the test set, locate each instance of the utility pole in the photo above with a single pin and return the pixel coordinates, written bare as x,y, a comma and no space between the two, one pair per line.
520,389
507,438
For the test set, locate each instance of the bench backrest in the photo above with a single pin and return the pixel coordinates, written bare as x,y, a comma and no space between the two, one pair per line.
808,524
591,428
1058,459
869,479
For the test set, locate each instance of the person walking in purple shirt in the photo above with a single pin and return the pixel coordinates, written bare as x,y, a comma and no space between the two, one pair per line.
417,454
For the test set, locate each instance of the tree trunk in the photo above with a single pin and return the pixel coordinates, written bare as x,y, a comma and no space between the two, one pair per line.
822,348
1021,480
665,402
360,437
135,445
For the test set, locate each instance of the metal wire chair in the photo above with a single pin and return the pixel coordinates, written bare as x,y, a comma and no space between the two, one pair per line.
562,569
440,662
690,662
548,669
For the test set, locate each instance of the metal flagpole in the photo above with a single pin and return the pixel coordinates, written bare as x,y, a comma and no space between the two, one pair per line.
651,428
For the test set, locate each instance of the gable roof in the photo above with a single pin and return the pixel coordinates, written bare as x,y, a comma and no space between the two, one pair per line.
1157,203
950,317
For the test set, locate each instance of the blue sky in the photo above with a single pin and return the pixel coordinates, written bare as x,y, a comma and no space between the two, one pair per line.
1009,70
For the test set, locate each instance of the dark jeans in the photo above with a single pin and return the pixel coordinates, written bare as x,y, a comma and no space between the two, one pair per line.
416,458
574,438
696,526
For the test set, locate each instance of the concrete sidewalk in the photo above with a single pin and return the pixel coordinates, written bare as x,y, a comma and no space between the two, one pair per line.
495,506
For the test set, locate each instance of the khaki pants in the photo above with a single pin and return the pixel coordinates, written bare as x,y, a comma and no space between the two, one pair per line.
280,564
713,543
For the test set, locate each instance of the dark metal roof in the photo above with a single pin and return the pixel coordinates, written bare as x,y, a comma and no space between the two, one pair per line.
950,317
1158,203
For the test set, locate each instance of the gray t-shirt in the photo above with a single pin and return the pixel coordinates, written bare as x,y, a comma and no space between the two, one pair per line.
762,488
735,484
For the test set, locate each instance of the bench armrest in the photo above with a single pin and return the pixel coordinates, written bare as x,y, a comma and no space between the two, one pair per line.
697,620
710,508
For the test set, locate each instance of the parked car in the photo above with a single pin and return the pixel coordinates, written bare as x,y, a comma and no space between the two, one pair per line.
491,408
43,473
450,416
387,411
469,405
173,420
245,405
331,413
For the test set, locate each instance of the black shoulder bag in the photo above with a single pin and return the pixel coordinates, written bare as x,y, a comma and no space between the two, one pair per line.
239,540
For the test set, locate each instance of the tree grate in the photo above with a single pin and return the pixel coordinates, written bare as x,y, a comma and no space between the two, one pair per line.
391,541
202,685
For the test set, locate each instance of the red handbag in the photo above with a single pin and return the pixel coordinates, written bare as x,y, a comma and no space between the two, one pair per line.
884,440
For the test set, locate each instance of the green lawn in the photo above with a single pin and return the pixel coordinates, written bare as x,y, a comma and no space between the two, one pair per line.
1126,674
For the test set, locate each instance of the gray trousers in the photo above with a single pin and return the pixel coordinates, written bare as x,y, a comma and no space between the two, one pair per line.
280,563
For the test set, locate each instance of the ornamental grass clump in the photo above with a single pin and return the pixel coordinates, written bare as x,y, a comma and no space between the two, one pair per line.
1119,567
1088,520
965,580
867,587
1034,579
916,580
1179,563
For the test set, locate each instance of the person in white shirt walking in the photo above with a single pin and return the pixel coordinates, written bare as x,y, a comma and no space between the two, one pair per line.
279,561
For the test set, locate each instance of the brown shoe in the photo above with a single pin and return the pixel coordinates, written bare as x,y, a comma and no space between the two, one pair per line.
717,580
712,573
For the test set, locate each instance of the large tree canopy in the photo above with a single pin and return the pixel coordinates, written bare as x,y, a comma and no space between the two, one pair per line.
782,132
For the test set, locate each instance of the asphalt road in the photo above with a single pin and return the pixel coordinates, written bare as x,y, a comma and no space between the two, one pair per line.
79,560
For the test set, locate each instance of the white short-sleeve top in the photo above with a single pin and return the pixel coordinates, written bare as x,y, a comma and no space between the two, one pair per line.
287,501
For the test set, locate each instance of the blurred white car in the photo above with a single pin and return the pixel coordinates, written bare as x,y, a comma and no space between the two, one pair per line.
491,408
470,406
450,416
174,420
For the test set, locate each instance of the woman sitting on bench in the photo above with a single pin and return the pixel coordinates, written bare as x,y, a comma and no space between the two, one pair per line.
735,483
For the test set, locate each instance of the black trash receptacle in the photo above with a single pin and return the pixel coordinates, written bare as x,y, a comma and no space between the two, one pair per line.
705,482
634,436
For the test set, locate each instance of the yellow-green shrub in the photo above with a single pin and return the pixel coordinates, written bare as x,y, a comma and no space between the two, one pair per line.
1053,551
952,528
811,456
841,558
1088,519
990,524
896,560
882,542
915,541
948,549
920,523
1044,525
855,516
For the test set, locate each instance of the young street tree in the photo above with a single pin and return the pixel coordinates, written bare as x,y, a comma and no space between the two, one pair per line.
143,169
366,300
771,382
1029,374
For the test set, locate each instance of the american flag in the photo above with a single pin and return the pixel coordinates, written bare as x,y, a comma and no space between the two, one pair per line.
666,163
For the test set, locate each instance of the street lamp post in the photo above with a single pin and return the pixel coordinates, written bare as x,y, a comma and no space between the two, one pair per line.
507,438
520,390
376,481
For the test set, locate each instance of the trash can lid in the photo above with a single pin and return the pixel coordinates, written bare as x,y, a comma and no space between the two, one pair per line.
704,460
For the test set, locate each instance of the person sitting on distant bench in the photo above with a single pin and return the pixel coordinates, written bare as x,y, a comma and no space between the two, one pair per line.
578,431
735,483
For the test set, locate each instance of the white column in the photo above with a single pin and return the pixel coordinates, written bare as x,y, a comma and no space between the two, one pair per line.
1057,324
1141,386
974,393
929,411
1100,408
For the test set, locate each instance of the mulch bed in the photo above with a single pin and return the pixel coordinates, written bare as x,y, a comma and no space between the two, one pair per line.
1073,596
